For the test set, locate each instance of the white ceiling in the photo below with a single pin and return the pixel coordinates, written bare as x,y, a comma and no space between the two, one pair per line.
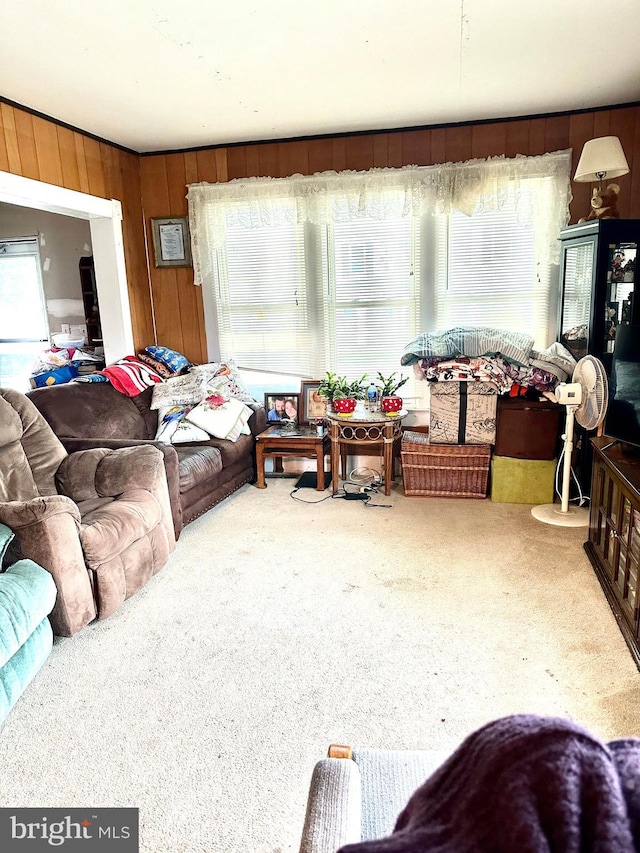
156,75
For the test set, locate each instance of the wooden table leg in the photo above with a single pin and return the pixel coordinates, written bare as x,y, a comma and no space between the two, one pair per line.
260,481
389,473
320,469
335,455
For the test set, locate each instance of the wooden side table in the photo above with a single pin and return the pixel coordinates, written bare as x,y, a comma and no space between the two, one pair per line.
361,430
275,442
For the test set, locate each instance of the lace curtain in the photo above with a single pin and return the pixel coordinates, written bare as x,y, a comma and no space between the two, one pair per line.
471,188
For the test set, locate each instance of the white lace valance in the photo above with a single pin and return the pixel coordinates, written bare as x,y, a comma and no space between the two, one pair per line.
471,187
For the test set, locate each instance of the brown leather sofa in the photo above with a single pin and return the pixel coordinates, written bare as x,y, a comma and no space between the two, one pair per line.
99,521
199,475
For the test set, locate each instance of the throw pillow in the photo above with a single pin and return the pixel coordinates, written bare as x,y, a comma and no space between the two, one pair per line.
221,418
175,361
159,366
174,429
226,375
184,390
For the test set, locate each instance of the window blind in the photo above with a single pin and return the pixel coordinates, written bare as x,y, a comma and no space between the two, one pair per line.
262,298
487,274
369,268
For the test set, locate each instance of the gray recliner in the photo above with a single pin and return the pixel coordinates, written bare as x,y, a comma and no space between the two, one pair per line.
358,796
98,520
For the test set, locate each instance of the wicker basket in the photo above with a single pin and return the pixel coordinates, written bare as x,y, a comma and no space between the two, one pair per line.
444,470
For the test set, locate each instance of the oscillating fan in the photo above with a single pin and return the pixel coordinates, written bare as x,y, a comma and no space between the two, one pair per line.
586,399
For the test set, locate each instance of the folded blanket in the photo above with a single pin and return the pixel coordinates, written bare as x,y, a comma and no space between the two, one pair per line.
471,341
527,784
130,376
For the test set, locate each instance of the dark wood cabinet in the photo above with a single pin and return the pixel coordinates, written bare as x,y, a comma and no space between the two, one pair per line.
597,280
614,533
90,301
597,277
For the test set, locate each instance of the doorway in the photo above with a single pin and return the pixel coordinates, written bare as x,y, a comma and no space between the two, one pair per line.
105,221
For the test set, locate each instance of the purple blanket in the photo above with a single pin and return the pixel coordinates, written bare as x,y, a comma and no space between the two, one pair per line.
524,784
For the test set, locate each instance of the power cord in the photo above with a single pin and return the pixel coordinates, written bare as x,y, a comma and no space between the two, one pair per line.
358,493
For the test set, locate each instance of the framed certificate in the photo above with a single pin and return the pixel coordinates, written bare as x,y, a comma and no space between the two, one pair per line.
171,241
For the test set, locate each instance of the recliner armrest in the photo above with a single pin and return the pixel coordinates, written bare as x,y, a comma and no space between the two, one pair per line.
171,463
47,530
334,807
107,473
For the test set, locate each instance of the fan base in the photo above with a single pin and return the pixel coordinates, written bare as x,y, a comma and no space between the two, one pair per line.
552,514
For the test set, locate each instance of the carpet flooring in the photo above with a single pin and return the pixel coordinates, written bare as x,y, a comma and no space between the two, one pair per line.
278,627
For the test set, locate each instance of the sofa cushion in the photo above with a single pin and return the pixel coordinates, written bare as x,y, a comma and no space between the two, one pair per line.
197,465
234,452
111,527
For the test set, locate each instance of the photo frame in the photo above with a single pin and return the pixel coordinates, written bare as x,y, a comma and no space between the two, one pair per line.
311,407
282,406
171,241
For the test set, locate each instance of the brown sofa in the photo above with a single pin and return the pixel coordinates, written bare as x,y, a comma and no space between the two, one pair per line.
199,474
99,521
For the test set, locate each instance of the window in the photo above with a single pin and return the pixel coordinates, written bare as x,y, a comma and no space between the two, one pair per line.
340,271
23,319
487,274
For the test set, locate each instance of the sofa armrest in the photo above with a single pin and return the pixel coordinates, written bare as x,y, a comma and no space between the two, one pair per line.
334,807
258,421
47,530
169,454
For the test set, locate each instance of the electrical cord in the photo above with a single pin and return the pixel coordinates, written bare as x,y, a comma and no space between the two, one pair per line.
358,493
581,498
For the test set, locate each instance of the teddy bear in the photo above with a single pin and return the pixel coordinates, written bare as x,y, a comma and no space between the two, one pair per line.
604,203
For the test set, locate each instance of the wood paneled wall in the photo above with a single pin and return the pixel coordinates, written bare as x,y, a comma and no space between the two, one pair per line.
36,148
178,310
165,305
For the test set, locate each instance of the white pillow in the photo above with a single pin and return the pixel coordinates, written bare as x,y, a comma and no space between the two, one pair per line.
227,373
174,429
221,418
184,390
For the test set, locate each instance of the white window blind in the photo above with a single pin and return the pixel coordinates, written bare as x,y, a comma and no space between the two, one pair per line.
487,274
578,285
262,302
23,315
369,267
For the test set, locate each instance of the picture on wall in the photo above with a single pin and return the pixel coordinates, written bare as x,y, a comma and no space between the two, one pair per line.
171,241
282,406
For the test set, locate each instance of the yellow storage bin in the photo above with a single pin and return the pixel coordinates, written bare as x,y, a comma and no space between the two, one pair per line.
522,481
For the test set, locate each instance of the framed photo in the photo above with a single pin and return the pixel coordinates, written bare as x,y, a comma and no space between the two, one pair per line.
171,241
313,405
282,406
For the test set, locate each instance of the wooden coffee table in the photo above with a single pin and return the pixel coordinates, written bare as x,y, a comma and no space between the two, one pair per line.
275,442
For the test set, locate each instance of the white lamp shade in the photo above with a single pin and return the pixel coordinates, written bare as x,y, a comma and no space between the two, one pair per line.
600,158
